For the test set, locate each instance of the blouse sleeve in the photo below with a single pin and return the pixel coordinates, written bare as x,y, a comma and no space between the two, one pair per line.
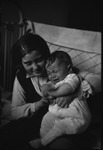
19,108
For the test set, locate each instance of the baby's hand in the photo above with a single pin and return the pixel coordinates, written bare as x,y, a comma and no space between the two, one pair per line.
47,87
64,102
48,96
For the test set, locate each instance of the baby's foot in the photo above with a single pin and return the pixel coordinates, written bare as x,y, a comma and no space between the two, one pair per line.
35,143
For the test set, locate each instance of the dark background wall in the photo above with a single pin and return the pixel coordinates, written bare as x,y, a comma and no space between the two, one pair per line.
66,13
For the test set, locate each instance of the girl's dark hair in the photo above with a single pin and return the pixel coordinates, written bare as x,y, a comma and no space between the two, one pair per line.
62,56
27,43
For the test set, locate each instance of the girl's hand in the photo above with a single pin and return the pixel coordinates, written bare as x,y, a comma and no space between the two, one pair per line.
41,103
64,102
49,97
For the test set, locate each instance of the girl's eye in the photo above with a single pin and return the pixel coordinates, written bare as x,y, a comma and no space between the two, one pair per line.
39,59
48,73
28,64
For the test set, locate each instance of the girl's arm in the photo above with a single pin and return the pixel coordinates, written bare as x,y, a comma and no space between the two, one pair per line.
19,108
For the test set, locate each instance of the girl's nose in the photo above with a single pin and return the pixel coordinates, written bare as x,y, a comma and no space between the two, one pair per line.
34,66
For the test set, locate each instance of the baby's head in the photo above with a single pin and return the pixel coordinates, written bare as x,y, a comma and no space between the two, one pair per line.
58,66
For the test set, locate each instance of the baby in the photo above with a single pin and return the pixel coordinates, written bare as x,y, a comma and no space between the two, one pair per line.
63,83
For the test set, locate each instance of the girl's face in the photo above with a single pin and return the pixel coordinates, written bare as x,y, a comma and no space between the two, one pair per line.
57,72
34,63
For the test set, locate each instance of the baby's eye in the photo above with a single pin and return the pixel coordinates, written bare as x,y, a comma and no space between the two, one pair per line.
55,71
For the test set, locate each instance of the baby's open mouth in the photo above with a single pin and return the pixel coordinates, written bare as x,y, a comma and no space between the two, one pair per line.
55,81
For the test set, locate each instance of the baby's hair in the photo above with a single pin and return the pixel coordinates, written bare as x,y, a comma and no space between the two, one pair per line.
63,57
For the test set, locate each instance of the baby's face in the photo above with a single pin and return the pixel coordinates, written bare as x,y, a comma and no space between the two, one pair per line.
57,72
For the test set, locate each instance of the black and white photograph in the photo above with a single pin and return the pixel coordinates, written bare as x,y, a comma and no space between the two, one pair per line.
50,75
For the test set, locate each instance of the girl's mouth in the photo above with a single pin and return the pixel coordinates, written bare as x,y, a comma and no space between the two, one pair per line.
37,72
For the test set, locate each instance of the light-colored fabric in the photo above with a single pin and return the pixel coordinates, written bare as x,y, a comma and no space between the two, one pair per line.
72,120
54,127
72,79
37,83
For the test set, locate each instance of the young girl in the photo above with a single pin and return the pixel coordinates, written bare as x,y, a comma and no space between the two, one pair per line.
30,54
